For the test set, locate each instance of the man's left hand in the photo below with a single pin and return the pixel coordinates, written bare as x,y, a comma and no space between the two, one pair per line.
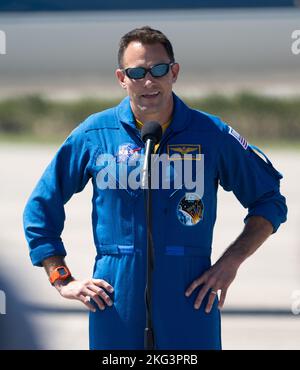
218,277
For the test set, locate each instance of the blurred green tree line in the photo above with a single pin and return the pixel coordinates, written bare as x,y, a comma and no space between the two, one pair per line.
253,116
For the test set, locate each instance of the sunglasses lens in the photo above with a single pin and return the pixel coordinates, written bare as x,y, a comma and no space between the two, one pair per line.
136,73
160,70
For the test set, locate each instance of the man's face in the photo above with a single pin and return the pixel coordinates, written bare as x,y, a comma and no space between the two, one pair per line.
149,96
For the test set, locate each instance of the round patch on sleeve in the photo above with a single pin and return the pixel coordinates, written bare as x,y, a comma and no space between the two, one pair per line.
190,209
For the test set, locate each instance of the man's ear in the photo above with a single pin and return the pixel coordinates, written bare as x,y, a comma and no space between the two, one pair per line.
121,78
175,71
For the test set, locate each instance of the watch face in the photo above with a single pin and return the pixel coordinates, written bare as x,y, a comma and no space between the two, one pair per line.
62,271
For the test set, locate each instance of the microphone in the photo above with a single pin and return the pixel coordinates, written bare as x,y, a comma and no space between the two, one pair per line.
151,134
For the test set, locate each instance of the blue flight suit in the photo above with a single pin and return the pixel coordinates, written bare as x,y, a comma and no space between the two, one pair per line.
182,222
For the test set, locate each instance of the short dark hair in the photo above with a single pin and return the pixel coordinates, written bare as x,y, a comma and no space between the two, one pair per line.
146,35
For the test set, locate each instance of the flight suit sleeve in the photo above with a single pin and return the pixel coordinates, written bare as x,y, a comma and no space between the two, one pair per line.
253,180
44,214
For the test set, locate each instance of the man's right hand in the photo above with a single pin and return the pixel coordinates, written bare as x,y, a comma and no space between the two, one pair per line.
85,290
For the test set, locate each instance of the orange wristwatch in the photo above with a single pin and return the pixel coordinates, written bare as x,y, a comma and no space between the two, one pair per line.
59,273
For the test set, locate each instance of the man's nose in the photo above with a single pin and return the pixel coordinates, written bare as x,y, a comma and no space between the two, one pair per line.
148,79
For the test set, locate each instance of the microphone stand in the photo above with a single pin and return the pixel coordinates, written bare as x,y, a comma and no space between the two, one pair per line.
146,174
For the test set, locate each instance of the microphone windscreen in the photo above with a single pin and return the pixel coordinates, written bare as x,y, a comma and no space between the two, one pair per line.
151,130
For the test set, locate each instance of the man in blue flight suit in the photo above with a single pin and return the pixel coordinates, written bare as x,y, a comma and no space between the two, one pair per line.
187,291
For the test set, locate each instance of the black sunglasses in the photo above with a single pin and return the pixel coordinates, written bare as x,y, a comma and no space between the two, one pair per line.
158,70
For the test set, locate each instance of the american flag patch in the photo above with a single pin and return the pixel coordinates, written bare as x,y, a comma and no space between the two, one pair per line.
238,137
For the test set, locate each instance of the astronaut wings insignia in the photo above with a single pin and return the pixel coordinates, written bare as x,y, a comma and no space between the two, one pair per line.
191,151
184,150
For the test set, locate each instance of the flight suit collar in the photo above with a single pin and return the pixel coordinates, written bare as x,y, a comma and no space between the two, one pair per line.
180,115
125,114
